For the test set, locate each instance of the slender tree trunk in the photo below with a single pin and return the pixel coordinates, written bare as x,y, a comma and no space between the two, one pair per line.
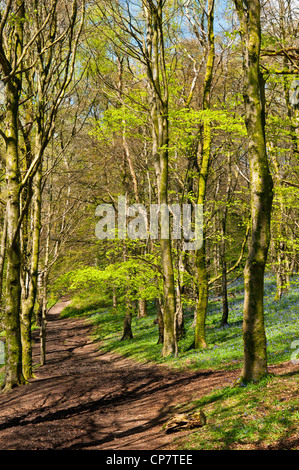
279,244
43,319
142,308
205,151
180,327
29,302
2,253
11,51
202,303
169,301
224,319
114,298
158,90
127,327
254,337
216,255
14,375
43,286
159,320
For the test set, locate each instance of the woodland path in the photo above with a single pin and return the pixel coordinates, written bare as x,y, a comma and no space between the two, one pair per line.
84,398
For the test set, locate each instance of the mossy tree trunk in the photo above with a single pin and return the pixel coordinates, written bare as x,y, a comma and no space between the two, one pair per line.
10,52
158,90
43,319
43,276
3,254
204,161
127,326
254,337
142,308
223,222
180,327
159,320
14,375
29,301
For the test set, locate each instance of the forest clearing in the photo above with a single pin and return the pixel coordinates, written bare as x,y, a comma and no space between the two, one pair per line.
149,255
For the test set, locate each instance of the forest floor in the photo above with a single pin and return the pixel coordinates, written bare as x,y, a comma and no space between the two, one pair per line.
84,398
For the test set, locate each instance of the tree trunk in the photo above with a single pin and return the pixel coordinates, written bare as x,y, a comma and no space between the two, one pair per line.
202,303
43,293
11,51
43,319
254,337
142,308
158,90
205,151
29,302
14,375
127,328
114,298
224,319
2,253
159,321
180,327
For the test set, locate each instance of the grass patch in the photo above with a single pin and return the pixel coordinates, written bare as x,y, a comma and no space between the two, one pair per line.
263,416
225,344
86,305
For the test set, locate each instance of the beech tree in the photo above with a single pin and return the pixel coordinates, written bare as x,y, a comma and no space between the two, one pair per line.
204,154
11,60
52,66
148,48
154,54
261,188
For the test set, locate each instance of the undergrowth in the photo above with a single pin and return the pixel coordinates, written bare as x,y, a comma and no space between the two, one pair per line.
225,344
263,416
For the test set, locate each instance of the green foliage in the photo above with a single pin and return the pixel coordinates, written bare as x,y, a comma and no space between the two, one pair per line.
134,278
185,123
117,120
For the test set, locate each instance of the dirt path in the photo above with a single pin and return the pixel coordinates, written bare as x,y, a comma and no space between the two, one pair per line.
86,399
